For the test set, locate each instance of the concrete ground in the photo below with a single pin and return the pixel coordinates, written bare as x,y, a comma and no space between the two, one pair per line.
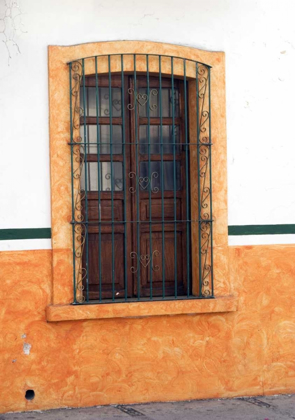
280,407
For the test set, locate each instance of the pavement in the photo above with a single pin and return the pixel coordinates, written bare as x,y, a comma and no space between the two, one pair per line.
278,407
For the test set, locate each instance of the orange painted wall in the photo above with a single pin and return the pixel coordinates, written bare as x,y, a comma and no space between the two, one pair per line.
84,363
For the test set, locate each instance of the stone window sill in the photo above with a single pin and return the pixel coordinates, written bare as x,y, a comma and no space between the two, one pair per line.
57,313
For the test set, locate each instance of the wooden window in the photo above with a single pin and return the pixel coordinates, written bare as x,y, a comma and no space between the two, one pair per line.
141,153
154,156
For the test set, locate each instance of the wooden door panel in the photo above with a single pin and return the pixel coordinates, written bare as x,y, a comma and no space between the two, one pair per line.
105,210
106,265
151,162
156,209
154,263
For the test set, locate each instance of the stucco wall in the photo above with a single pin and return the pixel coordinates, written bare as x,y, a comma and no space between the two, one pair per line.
84,363
258,39
80,363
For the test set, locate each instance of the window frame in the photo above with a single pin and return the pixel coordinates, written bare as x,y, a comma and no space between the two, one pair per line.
60,161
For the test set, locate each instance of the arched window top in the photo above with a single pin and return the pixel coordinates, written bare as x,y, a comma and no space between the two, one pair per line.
68,54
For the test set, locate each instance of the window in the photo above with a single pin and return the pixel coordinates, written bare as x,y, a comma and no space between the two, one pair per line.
141,178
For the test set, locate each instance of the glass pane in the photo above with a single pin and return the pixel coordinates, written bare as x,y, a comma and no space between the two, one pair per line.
116,139
168,102
153,179
91,138
103,100
117,180
153,101
89,102
155,139
92,178
90,132
105,183
169,174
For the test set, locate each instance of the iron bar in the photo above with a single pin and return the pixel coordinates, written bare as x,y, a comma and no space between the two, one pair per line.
154,143
112,178
187,191
174,180
145,299
72,186
144,221
86,185
137,185
162,179
199,184
150,175
99,184
150,55
210,171
124,180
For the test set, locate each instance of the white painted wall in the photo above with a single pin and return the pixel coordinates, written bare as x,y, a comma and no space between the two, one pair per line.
258,37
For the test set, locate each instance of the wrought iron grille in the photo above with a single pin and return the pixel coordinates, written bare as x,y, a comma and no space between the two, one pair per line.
141,178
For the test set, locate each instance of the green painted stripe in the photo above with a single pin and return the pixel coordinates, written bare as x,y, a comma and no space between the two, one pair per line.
45,233
261,230
11,234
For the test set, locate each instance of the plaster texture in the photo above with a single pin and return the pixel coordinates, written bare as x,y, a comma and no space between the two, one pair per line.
152,358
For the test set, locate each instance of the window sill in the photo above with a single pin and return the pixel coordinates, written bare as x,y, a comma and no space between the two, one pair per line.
57,313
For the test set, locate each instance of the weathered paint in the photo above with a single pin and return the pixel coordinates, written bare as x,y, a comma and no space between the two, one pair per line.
85,363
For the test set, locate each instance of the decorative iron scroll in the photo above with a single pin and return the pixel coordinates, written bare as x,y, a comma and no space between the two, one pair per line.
78,149
118,182
116,103
144,182
142,99
144,260
76,83
204,172
81,271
